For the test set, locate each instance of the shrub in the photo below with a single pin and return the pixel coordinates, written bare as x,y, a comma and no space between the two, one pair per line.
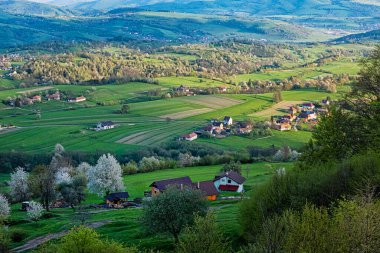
17,235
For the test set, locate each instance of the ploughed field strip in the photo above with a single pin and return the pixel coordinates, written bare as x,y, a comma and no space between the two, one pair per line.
157,135
35,90
185,114
277,108
215,102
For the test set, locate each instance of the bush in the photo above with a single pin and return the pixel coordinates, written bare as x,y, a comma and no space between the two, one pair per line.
17,235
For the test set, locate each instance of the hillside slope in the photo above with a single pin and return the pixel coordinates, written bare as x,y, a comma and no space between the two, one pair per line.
22,7
342,8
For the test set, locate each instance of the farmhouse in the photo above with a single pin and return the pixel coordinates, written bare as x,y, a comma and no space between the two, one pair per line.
55,96
244,127
229,181
307,107
208,189
190,137
223,88
283,126
228,121
217,127
77,99
104,125
308,115
36,98
117,198
160,186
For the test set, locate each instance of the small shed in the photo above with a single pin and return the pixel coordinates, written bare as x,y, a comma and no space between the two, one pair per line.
117,198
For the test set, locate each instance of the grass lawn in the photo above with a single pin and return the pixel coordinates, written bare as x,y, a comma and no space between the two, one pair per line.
189,81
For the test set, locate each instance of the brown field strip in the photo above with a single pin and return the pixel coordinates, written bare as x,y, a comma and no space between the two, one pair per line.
185,114
214,102
131,137
35,90
275,109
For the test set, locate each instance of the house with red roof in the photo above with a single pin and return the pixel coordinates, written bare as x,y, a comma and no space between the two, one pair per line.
190,137
229,181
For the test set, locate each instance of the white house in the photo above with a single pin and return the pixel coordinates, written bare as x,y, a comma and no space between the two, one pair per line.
229,181
228,121
104,125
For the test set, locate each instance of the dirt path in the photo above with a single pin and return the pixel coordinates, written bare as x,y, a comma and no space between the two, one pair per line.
34,243
35,90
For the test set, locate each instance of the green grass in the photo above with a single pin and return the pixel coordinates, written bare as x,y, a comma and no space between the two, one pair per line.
189,81
295,140
125,226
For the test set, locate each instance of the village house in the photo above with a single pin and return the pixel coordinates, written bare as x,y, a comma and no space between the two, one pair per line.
54,96
308,115
208,129
223,88
27,101
190,137
283,126
325,102
104,125
77,99
116,199
37,98
217,127
208,189
183,89
293,110
244,127
229,181
158,187
228,121
307,107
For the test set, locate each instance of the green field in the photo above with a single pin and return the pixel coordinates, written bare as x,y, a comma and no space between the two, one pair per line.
124,225
70,124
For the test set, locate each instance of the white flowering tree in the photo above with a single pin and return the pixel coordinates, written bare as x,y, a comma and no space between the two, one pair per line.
35,211
83,168
18,185
63,176
105,176
5,210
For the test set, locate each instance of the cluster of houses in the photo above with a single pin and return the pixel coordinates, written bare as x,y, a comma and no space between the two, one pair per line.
306,113
221,129
38,98
187,91
230,181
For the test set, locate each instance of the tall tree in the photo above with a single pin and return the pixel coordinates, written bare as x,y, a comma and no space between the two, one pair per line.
18,185
42,184
105,176
173,210
203,237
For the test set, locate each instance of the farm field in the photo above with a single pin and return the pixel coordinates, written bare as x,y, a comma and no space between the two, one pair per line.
188,81
123,224
294,140
145,124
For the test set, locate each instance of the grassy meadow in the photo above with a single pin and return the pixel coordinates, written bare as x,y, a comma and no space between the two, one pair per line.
124,225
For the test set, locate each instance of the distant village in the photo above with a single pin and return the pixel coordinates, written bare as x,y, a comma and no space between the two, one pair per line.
25,99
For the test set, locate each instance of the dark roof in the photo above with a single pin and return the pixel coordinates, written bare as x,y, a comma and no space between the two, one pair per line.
163,184
107,123
117,196
217,123
227,118
207,187
231,175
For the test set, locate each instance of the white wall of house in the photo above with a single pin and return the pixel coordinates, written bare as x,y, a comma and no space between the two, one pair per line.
227,181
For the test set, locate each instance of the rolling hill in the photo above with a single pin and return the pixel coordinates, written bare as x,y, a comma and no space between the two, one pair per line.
341,8
21,7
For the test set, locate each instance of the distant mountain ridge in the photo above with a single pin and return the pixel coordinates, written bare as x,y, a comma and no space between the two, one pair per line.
22,7
341,8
